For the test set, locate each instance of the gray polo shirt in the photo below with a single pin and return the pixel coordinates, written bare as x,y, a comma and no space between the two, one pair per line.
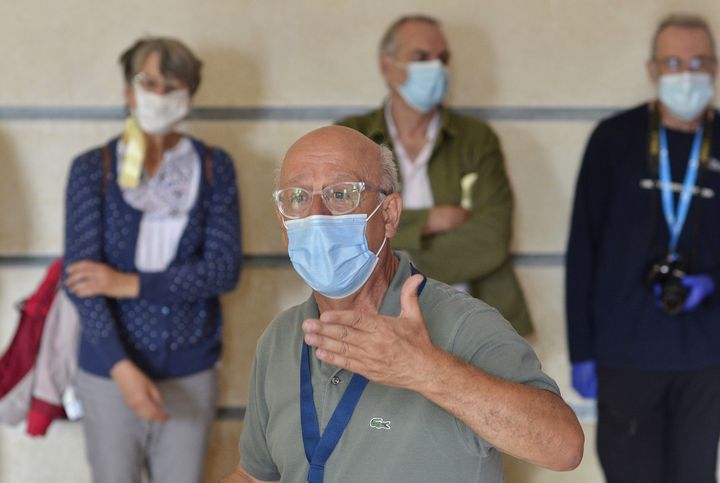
394,435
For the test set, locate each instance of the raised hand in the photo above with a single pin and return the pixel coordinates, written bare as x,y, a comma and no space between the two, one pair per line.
388,350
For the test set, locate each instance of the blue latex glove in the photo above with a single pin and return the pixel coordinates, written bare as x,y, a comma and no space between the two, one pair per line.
701,286
584,379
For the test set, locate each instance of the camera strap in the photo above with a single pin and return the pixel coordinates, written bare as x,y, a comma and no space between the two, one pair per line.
675,216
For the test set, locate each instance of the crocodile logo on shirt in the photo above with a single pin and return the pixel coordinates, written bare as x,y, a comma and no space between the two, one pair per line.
378,423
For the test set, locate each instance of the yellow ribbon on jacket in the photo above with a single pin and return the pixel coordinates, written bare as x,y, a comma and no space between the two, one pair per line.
132,163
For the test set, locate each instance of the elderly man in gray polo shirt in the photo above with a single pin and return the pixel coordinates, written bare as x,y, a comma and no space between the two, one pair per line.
383,375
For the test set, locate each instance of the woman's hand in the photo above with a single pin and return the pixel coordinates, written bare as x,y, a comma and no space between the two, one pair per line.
87,279
138,391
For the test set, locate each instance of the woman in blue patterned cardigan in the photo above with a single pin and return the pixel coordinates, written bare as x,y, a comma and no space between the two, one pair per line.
152,238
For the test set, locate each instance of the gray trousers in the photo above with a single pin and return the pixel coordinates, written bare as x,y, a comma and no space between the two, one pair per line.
120,444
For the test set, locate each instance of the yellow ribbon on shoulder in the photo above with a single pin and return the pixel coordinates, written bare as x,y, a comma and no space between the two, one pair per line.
132,163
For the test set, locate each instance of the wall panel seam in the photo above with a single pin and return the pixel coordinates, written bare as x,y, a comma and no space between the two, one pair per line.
301,113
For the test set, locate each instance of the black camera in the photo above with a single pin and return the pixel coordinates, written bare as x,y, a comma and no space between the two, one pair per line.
667,275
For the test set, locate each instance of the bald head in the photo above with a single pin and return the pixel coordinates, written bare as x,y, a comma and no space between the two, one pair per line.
329,179
337,153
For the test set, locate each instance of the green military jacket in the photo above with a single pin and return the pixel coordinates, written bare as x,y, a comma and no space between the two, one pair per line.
466,168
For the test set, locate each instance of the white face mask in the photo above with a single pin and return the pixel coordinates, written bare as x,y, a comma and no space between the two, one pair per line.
160,113
686,94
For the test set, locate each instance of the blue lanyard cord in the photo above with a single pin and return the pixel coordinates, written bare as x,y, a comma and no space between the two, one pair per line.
318,449
676,219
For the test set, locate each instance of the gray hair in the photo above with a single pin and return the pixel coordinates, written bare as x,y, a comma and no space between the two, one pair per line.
388,43
389,175
681,20
176,60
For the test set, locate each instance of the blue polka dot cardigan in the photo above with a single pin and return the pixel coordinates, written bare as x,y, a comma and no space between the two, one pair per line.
173,328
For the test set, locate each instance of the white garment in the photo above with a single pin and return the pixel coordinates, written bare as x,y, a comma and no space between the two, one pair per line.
165,200
416,189
52,375
57,362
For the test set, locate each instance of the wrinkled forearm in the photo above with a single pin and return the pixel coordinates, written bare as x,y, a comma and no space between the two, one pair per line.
526,422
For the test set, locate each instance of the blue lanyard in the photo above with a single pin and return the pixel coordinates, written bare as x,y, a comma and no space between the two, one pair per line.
317,448
676,219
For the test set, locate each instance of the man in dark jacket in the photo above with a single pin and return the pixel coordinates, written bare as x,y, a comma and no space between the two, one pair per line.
643,263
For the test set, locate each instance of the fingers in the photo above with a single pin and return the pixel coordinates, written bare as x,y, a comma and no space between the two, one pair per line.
149,411
83,289
139,392
339,353
73,279
409,305
155,395
87,278
80,280
331,337
339,360
156,403
148,403
83,268
343,327
82,286
78,272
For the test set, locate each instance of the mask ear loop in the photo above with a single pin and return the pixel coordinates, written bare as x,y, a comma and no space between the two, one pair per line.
377,254
377,207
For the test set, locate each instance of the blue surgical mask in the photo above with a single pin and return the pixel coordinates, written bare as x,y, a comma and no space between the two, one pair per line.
686,94
425,86
330,252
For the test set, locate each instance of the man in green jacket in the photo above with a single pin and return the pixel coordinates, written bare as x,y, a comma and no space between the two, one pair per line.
456,219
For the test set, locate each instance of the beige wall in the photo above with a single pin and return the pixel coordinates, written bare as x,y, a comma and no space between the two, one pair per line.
319,53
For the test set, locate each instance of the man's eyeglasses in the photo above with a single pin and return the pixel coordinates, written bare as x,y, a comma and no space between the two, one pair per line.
339,198
676,64
153,84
